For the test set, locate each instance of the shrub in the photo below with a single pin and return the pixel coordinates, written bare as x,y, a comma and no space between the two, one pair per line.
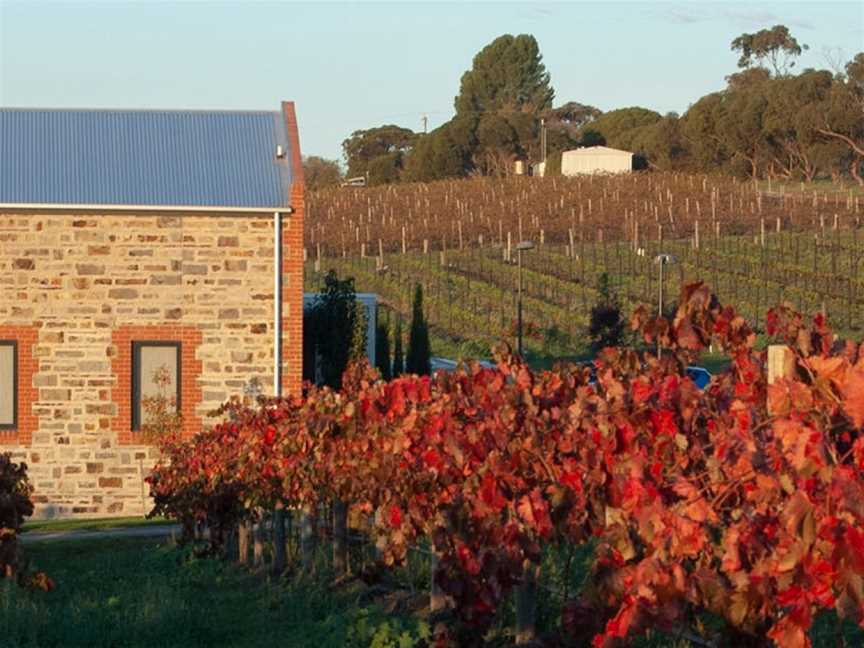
15,505
606,327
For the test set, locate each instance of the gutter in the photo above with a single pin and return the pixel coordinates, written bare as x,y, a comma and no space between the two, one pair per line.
141,208
277,304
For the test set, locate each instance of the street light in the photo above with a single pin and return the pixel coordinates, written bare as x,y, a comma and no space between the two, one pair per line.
523,245
661,260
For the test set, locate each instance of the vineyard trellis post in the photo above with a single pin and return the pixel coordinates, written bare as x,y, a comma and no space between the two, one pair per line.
520,247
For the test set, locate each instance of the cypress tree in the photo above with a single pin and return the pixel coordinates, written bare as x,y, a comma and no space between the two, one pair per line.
334,326
419,350
398,362
382,350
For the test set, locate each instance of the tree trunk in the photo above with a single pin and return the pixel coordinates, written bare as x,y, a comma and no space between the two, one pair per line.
855,169
340,537
526,604
279,557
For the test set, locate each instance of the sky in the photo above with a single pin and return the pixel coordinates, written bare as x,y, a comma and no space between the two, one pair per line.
355,65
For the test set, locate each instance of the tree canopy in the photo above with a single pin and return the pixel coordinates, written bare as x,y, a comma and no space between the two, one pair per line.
320,172
507,75
776,47
766,122
379,152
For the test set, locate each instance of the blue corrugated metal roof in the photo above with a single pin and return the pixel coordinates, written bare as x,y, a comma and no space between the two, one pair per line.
144,157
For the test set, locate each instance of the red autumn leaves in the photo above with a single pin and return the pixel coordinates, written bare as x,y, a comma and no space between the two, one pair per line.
743,499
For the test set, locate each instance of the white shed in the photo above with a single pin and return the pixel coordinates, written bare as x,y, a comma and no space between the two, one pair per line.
596,159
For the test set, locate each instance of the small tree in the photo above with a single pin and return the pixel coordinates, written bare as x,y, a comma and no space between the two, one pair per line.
419,350
398,361
606,327
338,328
382,350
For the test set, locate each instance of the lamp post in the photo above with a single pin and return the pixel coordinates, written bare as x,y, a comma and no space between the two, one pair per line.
523,245
661,260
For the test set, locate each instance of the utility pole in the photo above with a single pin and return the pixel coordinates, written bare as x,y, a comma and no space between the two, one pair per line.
543,138
425,123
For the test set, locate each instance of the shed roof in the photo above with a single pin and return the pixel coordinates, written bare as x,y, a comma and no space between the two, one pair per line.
598,150
150,158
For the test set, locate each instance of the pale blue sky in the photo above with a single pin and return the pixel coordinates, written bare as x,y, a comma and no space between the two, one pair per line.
362,64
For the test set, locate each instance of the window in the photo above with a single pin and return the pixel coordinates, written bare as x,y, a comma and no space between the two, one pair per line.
155,372
8,384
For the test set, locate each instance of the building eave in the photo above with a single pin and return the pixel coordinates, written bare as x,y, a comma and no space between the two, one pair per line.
73,208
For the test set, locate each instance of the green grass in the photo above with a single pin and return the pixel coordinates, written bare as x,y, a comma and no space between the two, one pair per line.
143,592
138,592
101,524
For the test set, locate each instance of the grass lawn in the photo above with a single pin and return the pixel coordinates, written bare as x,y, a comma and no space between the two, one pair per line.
138,592
142,592
101,524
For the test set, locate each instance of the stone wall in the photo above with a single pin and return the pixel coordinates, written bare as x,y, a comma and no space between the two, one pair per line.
76,289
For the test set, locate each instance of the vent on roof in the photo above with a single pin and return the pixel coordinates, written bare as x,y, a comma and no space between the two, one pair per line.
280,151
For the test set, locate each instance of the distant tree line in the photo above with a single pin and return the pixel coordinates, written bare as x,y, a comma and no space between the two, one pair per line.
766,123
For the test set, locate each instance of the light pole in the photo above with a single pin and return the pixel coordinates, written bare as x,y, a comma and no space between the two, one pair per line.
661,260
523,245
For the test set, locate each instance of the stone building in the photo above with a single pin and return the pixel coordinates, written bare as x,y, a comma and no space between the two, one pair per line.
130,241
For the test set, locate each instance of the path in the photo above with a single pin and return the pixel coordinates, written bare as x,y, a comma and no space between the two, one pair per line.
155,531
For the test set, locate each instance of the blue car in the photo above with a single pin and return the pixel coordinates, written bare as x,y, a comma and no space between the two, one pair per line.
699,375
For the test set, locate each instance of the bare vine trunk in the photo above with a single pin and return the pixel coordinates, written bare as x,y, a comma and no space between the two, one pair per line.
526,604
258,544
308,537
279,556
340,537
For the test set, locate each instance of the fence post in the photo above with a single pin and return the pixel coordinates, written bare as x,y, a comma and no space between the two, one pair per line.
243,543
781,362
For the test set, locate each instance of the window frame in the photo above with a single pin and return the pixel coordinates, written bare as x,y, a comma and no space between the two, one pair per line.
7,427
137,345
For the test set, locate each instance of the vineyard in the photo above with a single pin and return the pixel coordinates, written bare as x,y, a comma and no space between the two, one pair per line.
457,239
729,516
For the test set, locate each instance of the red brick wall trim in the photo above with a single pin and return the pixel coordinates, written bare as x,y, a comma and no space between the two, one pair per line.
121,366
290,115
292,265
28,367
